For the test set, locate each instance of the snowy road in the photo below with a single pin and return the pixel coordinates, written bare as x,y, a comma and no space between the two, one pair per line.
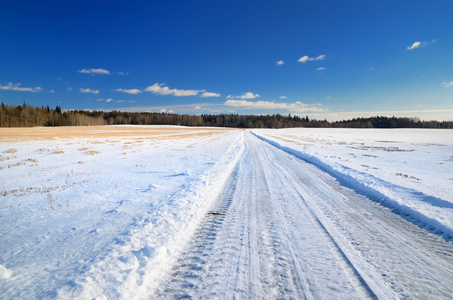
283,229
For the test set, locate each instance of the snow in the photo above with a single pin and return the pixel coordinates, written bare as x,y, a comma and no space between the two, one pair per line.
408,170
113,217
84,217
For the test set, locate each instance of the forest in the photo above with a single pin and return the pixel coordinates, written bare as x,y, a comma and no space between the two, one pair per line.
29,116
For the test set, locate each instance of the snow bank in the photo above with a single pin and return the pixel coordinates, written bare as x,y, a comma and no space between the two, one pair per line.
103,217
148,251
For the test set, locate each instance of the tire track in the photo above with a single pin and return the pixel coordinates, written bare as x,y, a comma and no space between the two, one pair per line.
395,258
282,229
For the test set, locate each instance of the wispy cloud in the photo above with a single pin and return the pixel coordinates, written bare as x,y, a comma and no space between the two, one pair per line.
129,91
116,101
248,95
104,100
297,107
18,88
180,108
320,69
418,44
94,71
279,62
161,89
89,91
414,46
448,84
305,58
283,97
208,94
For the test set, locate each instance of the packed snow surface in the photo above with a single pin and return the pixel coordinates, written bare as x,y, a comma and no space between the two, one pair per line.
159,212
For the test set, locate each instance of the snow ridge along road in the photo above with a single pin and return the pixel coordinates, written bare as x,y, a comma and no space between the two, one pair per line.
283,229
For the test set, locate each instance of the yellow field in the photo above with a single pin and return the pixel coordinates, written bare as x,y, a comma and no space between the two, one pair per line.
26,133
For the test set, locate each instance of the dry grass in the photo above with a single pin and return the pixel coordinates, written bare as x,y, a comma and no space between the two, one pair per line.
92,152
89,151
2,158
44,150
46,133
13,165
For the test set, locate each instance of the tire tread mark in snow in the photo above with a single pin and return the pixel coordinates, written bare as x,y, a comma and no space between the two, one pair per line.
187,275
397,258
280,230
306,208
298,283
250,240
343,254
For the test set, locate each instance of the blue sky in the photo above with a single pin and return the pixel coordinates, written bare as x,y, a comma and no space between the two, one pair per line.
325,59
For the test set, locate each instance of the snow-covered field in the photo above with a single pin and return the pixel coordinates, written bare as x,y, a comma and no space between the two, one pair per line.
408,170
121,212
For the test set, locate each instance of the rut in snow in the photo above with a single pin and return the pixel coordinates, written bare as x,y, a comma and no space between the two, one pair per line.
282,229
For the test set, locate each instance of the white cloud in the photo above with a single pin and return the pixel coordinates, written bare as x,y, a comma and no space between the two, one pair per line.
17,87
163,110
89,91
279,62
414,46
94,71
208,94
305,58
129,91
320,69
106,100
297,107
248,95
420,44
160,89
283,97
447,84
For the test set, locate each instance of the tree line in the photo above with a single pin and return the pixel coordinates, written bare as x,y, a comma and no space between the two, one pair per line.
28,116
